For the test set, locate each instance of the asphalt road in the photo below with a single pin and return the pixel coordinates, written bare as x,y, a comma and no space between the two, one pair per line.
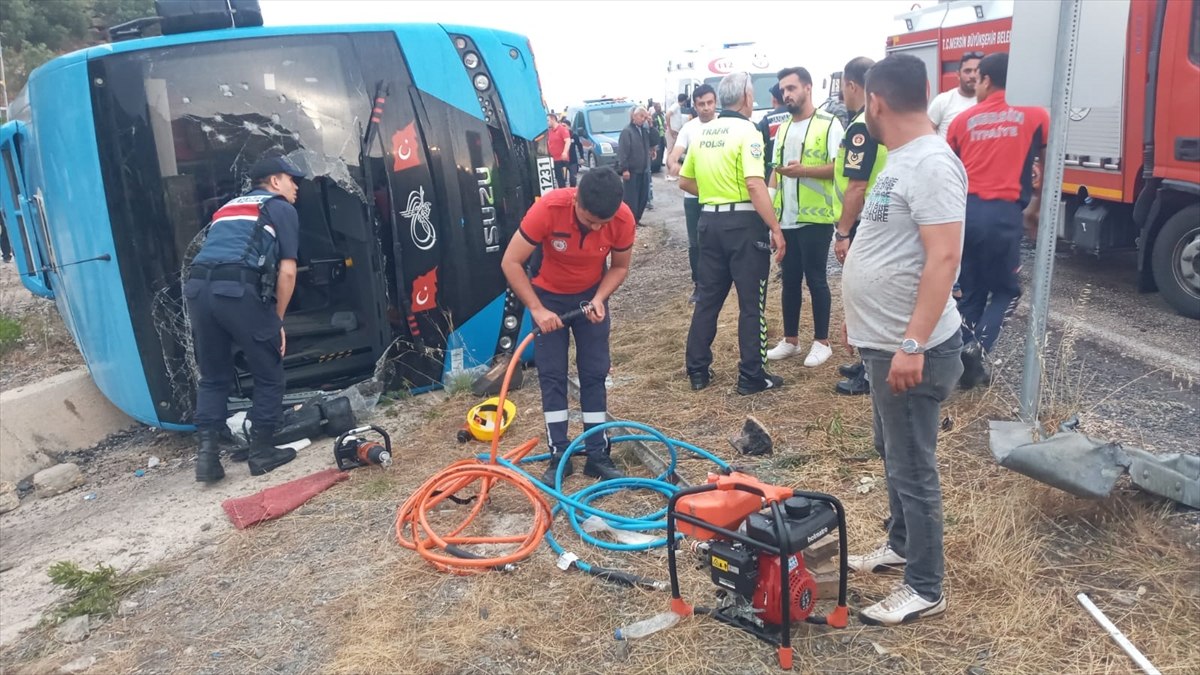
1130,365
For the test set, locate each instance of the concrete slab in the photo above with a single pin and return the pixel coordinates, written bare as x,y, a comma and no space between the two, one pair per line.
62,413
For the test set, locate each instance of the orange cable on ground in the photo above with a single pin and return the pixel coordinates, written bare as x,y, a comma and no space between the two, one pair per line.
414,531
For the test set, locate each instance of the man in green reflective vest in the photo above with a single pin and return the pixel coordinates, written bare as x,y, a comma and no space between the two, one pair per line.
808,204
860,159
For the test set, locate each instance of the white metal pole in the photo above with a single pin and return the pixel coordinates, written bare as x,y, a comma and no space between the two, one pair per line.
1052,173
1133,652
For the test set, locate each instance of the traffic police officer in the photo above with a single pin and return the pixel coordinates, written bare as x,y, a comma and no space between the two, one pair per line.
859,161
237,291
578,231
724,167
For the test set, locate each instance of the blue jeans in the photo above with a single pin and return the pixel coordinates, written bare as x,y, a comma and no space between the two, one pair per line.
906,430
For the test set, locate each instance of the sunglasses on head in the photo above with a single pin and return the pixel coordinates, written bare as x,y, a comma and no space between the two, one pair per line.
972,55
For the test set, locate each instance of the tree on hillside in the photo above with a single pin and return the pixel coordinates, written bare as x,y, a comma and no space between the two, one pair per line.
35,31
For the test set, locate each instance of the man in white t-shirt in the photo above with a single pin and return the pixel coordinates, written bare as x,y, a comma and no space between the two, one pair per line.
675,120
948,104
704,99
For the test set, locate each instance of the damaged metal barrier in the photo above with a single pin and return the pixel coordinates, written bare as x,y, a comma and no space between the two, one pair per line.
1088,467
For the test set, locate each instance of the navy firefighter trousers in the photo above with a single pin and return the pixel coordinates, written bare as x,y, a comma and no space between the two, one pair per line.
592,360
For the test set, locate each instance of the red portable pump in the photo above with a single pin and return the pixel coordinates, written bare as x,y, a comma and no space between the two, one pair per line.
744,530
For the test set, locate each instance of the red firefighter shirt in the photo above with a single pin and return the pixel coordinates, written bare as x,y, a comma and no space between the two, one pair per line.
997,144
573,256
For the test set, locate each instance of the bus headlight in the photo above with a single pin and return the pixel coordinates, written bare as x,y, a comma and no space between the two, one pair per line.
482,82
606,148
505,342
510,322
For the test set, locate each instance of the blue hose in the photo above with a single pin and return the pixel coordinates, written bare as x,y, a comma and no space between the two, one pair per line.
581,502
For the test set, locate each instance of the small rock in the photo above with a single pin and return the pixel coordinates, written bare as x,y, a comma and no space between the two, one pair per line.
976,670
880,649
153,462
9,499
74,629
1127,598
846,639
126,607
189,651
483,612
258,653
622,651
91,496
296,623
78,665
6,565
57,479
206,527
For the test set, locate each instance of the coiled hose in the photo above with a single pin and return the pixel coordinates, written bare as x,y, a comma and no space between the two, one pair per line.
446,552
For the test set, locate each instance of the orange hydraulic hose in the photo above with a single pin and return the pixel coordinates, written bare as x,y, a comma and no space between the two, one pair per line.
414,531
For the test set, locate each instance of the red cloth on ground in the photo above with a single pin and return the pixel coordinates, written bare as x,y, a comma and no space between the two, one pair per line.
280,499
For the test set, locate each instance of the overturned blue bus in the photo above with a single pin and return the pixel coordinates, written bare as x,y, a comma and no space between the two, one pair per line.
423,145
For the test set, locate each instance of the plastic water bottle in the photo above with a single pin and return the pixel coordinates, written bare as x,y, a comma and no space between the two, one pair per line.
646,626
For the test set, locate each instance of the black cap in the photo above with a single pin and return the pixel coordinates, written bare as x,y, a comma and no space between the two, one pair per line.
269,166
776,92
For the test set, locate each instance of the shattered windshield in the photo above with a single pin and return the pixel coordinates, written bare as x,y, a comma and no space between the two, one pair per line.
228,103
177,130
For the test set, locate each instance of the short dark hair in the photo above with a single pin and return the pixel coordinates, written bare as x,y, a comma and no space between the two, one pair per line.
967,56
856,70
682,98
900,80
600,192
703,90
995,67
801,73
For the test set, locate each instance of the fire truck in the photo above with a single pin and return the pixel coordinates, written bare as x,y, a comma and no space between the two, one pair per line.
1132,174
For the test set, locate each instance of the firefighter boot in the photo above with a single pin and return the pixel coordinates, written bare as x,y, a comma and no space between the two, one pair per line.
600,465
208,457
556,456
264,456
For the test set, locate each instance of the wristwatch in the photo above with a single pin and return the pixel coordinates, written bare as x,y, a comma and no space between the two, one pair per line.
839,236
911,346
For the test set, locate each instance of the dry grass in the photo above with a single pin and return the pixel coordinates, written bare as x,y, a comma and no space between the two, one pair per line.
1016,551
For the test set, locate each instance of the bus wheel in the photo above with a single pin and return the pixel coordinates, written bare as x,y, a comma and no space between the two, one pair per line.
1176,261
591,160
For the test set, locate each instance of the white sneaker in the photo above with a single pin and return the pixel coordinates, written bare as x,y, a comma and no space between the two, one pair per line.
882,559
783,350
819,354
902,606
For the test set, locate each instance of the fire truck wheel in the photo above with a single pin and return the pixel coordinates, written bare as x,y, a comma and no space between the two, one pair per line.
1176,261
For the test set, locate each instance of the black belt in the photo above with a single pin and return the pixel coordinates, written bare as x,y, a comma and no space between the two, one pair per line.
225,273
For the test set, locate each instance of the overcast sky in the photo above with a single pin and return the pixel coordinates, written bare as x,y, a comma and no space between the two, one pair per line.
586,49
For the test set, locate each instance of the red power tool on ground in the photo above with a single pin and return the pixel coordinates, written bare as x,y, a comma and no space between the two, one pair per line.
744,529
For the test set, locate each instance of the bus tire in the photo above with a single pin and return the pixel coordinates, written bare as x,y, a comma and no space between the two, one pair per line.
1176,261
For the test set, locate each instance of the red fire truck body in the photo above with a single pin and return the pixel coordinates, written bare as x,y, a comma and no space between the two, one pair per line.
1132,170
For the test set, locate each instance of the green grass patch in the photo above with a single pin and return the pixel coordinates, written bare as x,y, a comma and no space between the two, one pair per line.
10,334
93,592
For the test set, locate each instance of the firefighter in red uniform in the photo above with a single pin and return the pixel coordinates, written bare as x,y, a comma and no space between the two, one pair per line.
997,144
577,229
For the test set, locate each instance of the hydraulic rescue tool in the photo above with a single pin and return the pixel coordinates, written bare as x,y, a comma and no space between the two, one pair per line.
745,530
352,449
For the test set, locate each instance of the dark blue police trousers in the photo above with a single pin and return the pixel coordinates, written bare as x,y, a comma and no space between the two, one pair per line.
224,315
